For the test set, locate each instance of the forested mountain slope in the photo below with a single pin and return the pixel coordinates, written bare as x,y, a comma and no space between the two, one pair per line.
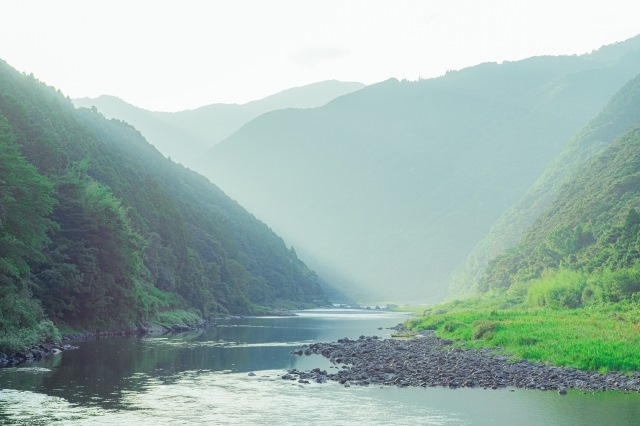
591,227
390,187
186,135
622,112
99,231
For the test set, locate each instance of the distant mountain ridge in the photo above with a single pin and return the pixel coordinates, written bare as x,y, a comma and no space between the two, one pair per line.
185,135
388,188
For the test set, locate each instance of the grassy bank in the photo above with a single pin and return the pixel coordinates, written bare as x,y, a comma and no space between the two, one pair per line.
181,317
604,337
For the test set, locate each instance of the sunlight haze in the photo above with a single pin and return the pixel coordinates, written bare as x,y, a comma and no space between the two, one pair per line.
171,56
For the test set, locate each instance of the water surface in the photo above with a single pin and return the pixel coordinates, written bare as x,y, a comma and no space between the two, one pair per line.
202,377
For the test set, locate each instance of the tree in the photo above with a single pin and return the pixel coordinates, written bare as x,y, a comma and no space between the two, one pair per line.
25,204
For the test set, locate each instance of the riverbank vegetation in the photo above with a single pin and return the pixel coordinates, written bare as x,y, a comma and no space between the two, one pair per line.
565,318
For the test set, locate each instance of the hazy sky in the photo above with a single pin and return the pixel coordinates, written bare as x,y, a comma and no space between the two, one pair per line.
172,55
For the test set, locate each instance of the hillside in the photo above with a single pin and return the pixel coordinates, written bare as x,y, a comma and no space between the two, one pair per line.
99,231
592,226
567,293
622,112
388,188
185,135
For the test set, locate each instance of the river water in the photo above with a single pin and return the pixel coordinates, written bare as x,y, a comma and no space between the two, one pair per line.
202,377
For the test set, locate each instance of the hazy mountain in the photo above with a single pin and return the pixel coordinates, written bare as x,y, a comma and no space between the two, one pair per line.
591,226
185,135
622,112
98,230
388,188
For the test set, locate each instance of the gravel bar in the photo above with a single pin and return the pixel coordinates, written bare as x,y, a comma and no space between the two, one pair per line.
428,361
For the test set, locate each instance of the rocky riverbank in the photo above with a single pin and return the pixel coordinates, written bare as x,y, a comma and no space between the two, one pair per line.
46,349
428,361
34,354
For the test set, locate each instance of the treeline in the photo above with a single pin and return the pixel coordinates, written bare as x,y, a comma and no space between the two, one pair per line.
99,231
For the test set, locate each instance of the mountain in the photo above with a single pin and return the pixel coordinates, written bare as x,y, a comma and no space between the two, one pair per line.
621,113
591,228
185,135
100,231
387,189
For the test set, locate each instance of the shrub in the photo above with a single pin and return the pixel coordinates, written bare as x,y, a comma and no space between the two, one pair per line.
451,326
484,329
617,285
558,289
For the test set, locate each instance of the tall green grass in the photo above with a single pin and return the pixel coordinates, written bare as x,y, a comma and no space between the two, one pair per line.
565,318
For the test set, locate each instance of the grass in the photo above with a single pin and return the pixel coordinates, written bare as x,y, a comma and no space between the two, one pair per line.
182,317
22,339
599,338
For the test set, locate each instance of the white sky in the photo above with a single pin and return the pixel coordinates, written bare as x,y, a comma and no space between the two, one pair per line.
173,55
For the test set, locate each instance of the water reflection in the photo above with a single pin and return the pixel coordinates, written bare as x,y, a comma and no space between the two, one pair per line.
202,377
102,370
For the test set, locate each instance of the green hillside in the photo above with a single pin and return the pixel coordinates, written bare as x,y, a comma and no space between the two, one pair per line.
99,231
622,112
567,293
388,188
592,228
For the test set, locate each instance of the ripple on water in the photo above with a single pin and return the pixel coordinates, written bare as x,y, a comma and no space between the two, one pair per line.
198,397
157,342
25,370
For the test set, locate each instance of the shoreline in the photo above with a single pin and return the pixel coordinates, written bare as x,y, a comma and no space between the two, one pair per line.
46,349
429,361
33,354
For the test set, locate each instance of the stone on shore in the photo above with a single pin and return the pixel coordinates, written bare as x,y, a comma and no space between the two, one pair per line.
429,361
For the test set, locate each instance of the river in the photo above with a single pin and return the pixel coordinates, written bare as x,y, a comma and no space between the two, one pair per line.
203,377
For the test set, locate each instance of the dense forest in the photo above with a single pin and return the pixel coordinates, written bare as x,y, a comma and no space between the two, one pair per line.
99,231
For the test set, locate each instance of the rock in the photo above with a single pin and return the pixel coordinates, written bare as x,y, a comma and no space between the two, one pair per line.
252,374
155,329
430,361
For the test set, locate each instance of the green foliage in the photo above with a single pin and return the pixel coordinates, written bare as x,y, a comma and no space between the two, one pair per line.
591,228
22,321
599,338
614,286
189,318
621,113
484,329
98,231
563,289
25,202
93,277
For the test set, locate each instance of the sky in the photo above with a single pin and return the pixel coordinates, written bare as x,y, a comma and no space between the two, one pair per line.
176,55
